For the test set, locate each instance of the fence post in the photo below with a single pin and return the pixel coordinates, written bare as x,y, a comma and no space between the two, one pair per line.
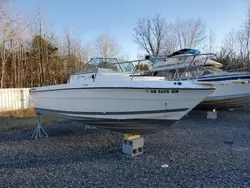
22,98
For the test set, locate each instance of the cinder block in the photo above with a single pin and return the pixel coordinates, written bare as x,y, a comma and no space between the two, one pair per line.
133,147
212,115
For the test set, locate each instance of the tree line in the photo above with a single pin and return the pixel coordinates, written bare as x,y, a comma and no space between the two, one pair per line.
235,51
31,55
155,36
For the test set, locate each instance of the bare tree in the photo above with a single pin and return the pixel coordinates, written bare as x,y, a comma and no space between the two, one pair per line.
106,46
86,52
150,35
69,50
211,41
240,46
246,30
124,57
233,49
11,30
28,52
74,52
170,45
230,41
189,33
237,44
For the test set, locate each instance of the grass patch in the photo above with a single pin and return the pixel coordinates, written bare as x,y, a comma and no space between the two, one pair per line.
29,112
22,120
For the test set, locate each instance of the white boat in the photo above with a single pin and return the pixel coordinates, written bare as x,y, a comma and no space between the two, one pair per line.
228,94
101,94
180,59
232,88
217,74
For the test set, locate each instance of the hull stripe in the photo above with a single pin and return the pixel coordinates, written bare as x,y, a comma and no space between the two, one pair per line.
225,103
114,113
137,88
131,126
228,97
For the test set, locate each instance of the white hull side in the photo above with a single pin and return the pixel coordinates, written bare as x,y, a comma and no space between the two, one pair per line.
118,100
137,107
227,95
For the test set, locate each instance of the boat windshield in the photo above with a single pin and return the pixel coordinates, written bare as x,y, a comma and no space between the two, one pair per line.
128,67
139,66
103,65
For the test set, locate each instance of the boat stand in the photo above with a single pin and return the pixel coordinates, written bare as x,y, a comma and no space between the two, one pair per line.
133,145
212,114
39,129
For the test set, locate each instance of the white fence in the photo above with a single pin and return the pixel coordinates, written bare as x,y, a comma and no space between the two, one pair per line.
14,99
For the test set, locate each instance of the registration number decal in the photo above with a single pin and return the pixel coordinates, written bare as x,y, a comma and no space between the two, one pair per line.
162,91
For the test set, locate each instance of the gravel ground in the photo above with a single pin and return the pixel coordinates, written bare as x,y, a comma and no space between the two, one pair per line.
195,152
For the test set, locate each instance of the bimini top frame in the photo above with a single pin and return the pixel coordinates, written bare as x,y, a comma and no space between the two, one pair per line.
182,59
113,65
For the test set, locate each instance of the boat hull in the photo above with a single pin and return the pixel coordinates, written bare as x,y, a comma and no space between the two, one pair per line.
125,110
228,94
132,126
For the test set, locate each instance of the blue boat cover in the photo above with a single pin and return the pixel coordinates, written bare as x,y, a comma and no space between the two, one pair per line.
182,51
185,51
